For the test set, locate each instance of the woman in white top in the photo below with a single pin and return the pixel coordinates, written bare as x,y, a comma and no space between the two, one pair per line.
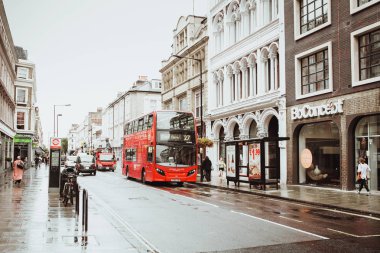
221,166
364,171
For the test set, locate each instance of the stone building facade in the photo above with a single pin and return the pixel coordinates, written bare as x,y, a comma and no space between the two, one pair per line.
181,88
333,94
8,61
247,89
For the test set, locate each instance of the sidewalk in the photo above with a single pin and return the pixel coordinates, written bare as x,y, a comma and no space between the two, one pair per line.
319,196
33,220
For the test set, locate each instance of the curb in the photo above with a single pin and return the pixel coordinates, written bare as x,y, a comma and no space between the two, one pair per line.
339,208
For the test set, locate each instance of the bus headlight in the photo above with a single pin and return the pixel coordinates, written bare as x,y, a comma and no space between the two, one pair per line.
161,172
191,172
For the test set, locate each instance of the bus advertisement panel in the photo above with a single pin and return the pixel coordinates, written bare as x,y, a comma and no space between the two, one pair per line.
161,147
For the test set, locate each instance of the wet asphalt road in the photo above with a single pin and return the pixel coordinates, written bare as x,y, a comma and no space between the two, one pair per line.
167,218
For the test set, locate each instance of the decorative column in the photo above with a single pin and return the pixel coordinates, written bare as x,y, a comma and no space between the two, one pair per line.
272,56
252,69
244,85
221,84
264,61
235,76
230,86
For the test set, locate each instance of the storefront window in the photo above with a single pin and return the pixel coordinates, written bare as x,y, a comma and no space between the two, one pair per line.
367,146
222,146
322,167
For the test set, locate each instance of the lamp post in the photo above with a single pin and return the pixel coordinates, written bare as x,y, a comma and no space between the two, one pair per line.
201,116
58,115
54,116
201,84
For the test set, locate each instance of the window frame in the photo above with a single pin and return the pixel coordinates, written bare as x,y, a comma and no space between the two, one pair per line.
297,20
195,104
354,7
26,95
26,72
298,71
26,125
355,66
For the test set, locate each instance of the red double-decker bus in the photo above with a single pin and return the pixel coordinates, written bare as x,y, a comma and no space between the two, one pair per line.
161,147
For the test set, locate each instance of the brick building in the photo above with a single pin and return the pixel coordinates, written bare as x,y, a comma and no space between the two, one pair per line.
333,94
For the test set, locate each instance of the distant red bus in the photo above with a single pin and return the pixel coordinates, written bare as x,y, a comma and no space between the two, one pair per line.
161,147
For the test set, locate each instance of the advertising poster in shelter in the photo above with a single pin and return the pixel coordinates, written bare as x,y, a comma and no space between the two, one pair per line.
254,161
231,168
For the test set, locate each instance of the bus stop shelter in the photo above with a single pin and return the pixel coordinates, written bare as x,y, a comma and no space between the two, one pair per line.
254,161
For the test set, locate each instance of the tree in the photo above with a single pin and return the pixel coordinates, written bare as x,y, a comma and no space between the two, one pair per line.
64,144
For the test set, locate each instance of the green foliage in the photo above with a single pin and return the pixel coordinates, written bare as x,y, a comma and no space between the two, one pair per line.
205,142
64,143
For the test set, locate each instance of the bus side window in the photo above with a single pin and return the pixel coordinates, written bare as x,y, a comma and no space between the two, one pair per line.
150,154
150,121
126,127
141,124
133,154
135,126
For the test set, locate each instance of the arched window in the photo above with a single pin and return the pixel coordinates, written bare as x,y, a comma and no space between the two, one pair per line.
253,130
236,133
222,146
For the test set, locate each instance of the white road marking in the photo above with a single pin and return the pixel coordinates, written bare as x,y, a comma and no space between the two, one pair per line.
290,219
195,200
353,214
226,202
177,194
358,236
281,225
133,231
325,209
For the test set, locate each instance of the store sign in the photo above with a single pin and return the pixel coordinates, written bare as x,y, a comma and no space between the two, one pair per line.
22,139
308,111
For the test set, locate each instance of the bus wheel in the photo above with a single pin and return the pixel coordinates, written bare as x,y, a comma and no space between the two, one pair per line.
143,177
180,184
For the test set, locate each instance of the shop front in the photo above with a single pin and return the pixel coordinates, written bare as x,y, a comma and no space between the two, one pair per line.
327,138
317,145
367,146
23,147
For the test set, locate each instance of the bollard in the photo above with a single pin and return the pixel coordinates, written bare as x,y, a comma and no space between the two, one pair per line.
84,217
77,203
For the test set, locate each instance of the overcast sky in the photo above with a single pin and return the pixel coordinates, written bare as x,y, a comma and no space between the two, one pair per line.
86,51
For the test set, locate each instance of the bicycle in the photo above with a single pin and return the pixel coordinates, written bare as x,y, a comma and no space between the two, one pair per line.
69,189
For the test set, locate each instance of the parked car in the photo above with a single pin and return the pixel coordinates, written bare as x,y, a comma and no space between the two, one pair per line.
70,161
85,164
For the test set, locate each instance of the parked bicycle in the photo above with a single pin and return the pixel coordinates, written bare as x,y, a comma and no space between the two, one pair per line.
70,188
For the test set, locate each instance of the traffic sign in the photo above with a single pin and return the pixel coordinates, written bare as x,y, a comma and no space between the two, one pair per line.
55,143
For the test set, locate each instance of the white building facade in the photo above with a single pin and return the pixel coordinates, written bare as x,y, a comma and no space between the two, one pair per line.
143,97
247,82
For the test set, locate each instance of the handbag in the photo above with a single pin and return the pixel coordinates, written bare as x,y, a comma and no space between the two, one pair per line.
20,166
358,177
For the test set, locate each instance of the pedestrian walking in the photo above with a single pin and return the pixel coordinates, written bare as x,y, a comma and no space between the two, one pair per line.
37,161
206,166
222,166
18,170
363,174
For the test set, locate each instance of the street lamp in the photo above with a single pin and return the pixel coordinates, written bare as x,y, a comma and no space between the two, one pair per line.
58,115
200,79
54,116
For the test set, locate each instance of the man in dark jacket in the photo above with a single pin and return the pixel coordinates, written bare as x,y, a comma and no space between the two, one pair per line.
206,167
